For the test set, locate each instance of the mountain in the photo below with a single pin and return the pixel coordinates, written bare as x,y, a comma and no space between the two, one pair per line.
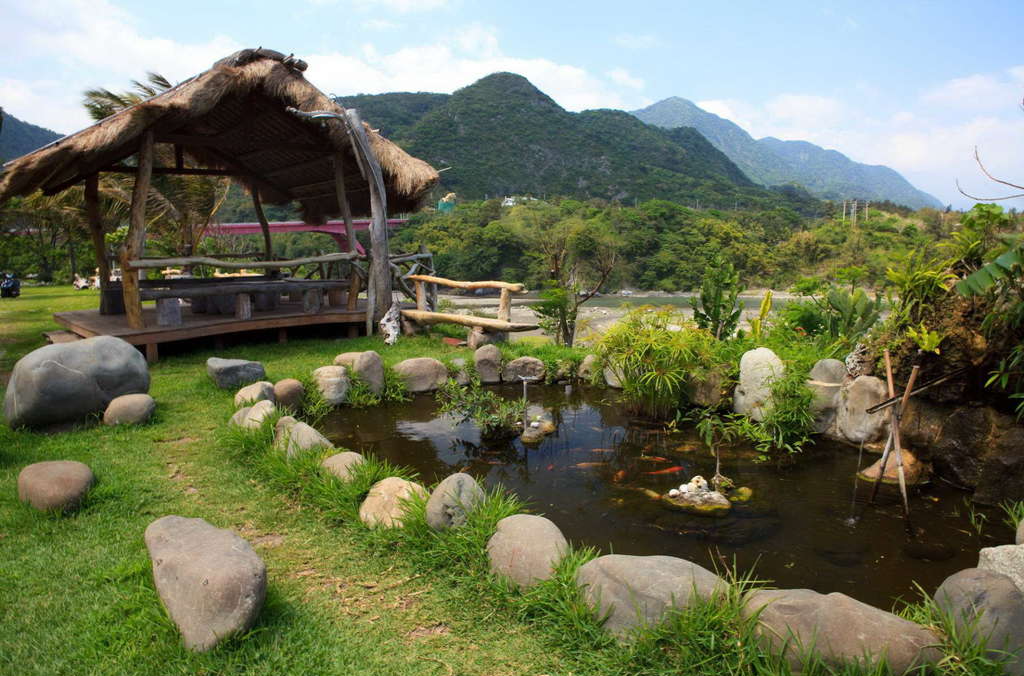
503,136
18,138
827,174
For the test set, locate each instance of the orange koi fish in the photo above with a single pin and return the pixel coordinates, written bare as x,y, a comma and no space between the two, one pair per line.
668,470
588,465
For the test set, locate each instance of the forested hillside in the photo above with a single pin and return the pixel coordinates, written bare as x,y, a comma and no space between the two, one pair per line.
18,138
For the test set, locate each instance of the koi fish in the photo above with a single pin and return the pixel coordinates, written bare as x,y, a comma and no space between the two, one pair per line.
602,450
668,470
588,465
551,467
654,458
619,476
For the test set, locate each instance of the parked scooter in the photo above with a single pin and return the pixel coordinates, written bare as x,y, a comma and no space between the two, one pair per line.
10,286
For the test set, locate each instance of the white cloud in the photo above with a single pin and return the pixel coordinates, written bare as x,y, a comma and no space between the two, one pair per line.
637,41
623,77
380,25
400,6
979,92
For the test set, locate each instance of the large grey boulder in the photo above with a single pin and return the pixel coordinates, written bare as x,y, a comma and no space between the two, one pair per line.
65,382
451,500
231,373
210,580
635,591
990,607
129,409
289,393
526,548
838,629
333,384
825,380
487,360
705,389
258,391
298,437
759,370
346,359
1006,559
386,503
523,367
55,484
853,423
828,371
422,374
342,464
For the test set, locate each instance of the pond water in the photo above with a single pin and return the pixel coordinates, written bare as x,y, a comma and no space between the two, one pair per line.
804,527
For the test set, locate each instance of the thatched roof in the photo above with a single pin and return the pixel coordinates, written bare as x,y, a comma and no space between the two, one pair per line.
232,117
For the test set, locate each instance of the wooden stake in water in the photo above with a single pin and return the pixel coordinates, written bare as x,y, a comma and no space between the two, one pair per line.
897,415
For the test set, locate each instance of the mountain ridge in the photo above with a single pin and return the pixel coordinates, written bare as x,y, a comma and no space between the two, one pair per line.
18,137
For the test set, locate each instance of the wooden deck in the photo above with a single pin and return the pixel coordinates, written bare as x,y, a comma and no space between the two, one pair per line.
89,323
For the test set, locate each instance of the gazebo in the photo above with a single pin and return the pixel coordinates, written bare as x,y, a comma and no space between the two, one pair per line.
255,118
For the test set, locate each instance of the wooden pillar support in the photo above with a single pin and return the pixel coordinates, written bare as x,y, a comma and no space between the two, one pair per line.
257,204
92,213
243,306
346,211
312,299
421,295
168,312
505,306
152,353
136,239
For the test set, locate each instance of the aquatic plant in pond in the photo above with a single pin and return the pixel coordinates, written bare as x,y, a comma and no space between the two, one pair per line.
496,416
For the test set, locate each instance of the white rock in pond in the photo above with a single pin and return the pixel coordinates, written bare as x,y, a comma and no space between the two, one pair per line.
853,423
526,548
1005,559
250,394
759,370
386,502
333,383
209,579
342,464
129,409
422,374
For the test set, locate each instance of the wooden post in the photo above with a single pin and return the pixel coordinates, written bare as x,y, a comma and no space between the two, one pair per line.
92,213
421,296
505,306
243,306
136,239
268,250
353,299
152,353
311,300
168,312
346,211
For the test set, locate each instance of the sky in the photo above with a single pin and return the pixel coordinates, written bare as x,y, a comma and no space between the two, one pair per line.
912,85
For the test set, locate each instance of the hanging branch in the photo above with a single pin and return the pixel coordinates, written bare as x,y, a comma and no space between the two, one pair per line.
985,171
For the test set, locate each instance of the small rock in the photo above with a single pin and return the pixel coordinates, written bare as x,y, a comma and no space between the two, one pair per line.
210,580
759,370
250,394
839,629
333,384
385,504
634,591
477,337
461,372
703,503
914,471
450,501
257,413
55,484
346,359
613,376
853,423
369,368
341,465
487,360
526,548
1005,559
589,368
535,433
129,409
705,389
741,494
231,373
991,607
422,374
289,393
239,417
283,424
828,371
299,437
523,367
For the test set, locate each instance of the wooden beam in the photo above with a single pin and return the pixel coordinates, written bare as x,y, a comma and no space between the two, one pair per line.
268,250
297,166
465,320
505,306
136,239
95,219
346,211
512,287
173,171
238,265
421,296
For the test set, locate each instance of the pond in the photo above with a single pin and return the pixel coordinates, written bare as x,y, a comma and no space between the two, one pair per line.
803,528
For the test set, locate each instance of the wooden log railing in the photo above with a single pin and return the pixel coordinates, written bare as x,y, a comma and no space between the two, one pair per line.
424,315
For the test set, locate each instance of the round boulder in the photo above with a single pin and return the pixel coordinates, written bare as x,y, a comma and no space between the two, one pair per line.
759,370
523,367
342,464
487,360
853,423
386,502
254,392
1005,559
589,368
66,382
256,414
238,418
209,579
635,591
333,384
231,373
129,409
422,374
55,484
451,500
989,606
369,368
288,393
298,437
526,548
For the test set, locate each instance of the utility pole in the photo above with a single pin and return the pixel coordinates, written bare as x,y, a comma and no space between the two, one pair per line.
844,211
854,213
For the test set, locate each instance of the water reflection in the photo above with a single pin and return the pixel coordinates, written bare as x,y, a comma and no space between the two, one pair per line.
804,527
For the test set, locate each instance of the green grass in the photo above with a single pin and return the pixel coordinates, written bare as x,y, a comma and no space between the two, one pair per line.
76,592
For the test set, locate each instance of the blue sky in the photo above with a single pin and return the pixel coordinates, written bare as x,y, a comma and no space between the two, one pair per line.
913,85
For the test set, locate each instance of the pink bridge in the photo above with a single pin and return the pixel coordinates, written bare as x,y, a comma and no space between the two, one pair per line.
335,229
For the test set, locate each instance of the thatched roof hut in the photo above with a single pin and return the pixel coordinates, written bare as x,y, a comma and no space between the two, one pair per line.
232,118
